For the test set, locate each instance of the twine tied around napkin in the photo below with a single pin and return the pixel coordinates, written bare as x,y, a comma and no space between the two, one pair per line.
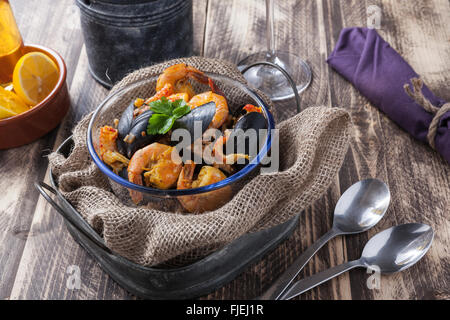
312,144
379,73
418,96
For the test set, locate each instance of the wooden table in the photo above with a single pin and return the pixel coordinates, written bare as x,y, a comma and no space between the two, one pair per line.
36,250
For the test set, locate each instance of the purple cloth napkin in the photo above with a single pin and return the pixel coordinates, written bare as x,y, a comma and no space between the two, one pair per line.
362,57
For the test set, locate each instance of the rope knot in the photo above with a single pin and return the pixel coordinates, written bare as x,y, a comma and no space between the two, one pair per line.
417,95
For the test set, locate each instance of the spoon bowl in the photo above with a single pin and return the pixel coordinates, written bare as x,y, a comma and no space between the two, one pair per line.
398,248
389,251
361,206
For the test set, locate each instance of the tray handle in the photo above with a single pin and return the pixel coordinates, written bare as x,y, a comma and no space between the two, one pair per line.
76,222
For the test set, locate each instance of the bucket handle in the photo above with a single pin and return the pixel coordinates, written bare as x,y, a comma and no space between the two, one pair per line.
75,221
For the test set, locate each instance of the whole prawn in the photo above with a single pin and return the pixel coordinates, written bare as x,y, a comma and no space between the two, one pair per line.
108,149
177,76
162,169
206,201
221,106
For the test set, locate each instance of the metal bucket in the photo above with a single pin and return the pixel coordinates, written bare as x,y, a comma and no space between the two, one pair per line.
124,35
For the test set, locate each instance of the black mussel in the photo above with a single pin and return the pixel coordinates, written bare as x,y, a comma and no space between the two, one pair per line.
133,136
204,114
137,137
124,127
237,113
241,140
251,120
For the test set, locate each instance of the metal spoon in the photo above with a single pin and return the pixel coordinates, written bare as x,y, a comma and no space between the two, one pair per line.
359,209
389,251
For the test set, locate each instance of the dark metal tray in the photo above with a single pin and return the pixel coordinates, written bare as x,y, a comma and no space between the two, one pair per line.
194,280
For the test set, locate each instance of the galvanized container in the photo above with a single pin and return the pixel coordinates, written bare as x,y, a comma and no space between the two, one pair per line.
124,35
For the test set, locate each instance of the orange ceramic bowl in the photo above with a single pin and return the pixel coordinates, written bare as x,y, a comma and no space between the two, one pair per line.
42,118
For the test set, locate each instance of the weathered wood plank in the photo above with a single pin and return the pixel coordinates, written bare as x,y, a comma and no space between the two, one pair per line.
420,179
380,149
200,11
61,30
365,156
22,166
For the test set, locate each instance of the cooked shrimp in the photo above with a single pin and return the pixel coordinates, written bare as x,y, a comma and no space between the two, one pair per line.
219,157
252,108
221,106
186,175
162,170
184,86
178,75
166,91
207,201
108,149
177,96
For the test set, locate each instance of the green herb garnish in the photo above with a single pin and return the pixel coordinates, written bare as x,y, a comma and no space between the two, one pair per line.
165,114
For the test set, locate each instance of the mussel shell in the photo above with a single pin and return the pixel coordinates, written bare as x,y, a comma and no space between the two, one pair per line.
251,120
204,113
139,126
124,127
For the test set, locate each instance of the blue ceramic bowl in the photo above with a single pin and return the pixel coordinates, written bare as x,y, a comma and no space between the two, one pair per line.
114,105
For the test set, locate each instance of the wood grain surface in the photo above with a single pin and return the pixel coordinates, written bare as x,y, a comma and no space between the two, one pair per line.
36,249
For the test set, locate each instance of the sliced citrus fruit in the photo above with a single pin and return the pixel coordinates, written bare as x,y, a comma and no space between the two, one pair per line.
6,113
35,75
10,101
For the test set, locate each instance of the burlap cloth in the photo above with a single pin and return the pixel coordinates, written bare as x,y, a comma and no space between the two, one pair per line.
312,148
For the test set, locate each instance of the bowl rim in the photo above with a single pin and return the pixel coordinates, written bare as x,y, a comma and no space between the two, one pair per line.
104,168
61,81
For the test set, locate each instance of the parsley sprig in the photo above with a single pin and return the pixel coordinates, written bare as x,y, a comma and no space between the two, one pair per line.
165,114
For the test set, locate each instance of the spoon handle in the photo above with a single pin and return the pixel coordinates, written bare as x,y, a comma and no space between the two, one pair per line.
282,283
308,283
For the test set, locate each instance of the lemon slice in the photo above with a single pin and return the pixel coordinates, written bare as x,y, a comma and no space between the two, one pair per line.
10,104
34,77
6,113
